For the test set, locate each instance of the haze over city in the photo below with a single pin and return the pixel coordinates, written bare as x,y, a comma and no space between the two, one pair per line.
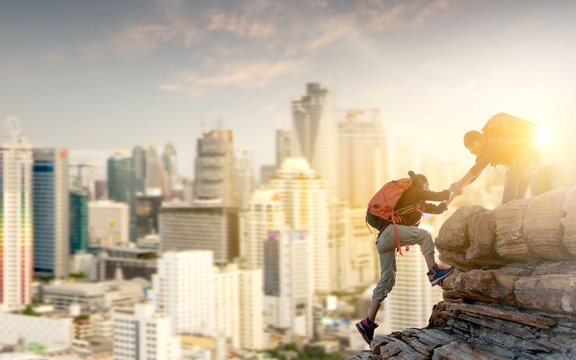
110,75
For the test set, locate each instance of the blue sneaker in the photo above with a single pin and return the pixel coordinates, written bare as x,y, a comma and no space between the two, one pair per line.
437,274
367,331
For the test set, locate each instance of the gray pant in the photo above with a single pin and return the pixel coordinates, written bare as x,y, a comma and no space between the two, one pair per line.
520,173
386,245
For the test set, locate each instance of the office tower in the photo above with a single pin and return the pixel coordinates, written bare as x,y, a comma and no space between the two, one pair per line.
121,180
250,284
283,146
244,174
101,190
287,284
79,239
108,223
139,169
142,333
410,303
84,176
122,183
147,214
170,163
363,165
266,172
50,199
184,289
155,174
315,133
227,304
16,218
305,205
265,214
355,252
214,168
215,228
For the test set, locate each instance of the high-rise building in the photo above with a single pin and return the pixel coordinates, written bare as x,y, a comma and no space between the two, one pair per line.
354,250
184,290
170,162
139,169
316,132
122,185
305,205
287,284
363,165
251,304
147,214
79,239
214,168
265,214
142,333
16,218
50,198
214,228
412,291
227,304
283,146
155,174
244,174
108,223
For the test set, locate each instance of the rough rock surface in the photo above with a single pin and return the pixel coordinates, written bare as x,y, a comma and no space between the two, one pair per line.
513,295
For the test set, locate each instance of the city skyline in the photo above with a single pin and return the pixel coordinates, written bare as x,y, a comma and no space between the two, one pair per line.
113,76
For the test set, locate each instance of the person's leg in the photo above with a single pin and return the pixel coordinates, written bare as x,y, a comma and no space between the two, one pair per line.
519,175
387,280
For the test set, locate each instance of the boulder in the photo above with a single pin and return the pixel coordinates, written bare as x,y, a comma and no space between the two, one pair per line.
510,243
569,221
453,234
543,230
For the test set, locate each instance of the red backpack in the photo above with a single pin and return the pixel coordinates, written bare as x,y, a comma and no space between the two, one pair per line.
381,206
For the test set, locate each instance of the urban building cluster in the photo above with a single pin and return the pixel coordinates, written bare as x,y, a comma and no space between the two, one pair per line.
146,264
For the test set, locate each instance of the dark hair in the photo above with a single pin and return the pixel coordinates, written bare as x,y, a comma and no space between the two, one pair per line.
472,136
418,180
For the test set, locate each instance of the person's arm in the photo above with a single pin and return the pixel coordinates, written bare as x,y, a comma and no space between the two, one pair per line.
433,195
434,209
472,174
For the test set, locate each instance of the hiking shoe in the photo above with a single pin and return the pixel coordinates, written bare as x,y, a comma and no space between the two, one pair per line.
437,274
367,331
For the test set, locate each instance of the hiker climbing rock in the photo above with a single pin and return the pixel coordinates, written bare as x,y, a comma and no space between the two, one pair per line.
504,140
395,211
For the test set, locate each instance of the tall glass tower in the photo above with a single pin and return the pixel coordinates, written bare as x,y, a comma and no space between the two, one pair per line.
122,185
51,212
15,218
78,220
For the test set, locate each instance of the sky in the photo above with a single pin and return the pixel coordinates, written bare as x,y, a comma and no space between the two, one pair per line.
99,76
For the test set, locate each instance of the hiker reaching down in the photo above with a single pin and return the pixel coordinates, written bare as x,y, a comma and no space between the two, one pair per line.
504,140
401,229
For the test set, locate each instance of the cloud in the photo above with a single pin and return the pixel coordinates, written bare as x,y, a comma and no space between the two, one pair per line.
239,75
240,26
139,39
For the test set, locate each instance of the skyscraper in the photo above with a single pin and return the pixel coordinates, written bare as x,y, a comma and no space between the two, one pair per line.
155,175
184,289
283,146
122,184
315,133
214,168
265,214
287,284
305,206
79,239
363,165
170,162
50,198
214,228
244,174
16,218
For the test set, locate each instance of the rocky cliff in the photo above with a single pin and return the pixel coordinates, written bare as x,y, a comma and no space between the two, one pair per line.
513,295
